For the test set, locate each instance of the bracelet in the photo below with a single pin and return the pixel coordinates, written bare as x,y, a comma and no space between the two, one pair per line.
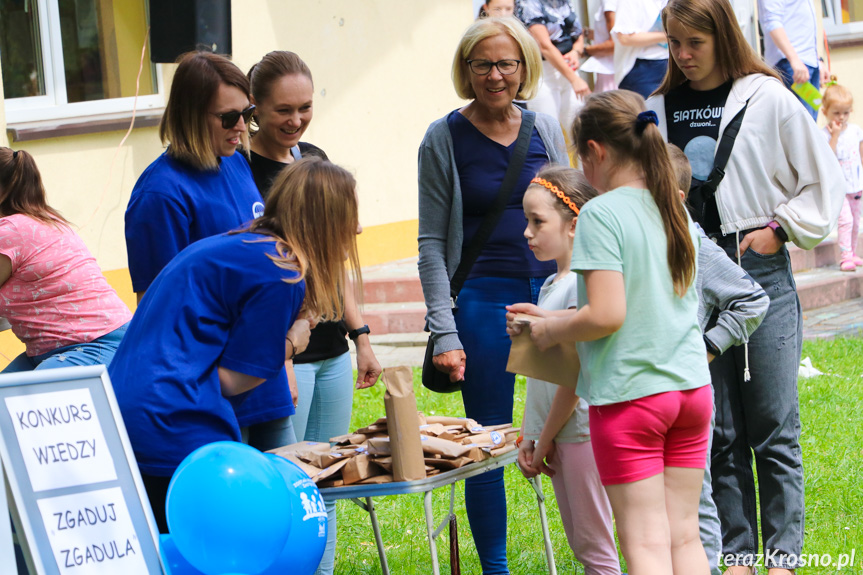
518,440
293,348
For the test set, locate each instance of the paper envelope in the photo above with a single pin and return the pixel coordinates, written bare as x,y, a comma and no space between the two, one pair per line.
558,364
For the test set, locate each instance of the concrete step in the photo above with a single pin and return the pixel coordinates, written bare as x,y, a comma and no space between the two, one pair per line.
399,317
825,286
392,282
843,319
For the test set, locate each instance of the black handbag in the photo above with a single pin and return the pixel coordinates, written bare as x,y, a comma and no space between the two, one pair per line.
701,194
433,379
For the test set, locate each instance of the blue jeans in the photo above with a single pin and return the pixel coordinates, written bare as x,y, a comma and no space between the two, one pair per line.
324,411
487,393
787,74
708,515
100,351
645,77
761,417
269,434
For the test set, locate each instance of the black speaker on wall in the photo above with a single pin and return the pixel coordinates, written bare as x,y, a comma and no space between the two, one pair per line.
178,26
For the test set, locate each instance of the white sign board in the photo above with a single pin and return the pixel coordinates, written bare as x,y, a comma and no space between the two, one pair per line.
78,503
61,439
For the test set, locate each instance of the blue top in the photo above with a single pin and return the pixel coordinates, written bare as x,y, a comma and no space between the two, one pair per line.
481,164
220,302
173,205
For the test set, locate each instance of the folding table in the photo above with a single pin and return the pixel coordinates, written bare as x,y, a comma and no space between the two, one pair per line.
362,495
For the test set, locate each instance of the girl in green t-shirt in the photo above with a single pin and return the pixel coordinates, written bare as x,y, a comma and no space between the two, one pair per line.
643,362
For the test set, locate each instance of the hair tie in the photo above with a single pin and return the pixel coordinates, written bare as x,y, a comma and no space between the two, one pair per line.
557,192
14,154
645,118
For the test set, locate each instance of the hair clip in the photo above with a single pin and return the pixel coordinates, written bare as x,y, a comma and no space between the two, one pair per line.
645,118
557,192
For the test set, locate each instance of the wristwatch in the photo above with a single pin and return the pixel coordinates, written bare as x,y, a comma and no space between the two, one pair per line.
777,229
355,333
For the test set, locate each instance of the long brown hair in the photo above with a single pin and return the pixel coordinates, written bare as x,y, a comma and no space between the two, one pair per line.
21,189
311,212
185,123
734,56
272,67
611,119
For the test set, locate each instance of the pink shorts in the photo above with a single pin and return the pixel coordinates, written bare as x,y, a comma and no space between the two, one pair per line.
638,439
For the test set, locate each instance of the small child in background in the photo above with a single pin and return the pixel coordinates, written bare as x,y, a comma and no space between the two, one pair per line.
496,9
847,142
556,428
724,288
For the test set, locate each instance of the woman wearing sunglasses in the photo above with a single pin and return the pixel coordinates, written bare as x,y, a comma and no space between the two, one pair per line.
199,187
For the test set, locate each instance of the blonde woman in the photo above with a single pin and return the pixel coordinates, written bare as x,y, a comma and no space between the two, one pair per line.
218,320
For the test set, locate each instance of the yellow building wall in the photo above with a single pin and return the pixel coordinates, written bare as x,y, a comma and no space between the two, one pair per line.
382,75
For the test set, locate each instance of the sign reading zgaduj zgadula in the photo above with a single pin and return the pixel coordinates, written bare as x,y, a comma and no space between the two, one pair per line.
78,503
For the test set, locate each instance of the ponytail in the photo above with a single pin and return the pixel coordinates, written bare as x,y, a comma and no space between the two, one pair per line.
21,189
618,120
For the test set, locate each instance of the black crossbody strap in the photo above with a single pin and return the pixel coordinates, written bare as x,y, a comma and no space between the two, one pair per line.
723,153
516,163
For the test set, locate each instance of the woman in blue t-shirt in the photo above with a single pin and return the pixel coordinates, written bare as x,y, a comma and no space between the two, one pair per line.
213,325
200,187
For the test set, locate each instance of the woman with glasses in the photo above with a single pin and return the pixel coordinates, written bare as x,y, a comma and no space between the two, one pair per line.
282,91
555,27
199,187
462,161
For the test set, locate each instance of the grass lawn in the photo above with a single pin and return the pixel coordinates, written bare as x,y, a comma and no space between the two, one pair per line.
832,440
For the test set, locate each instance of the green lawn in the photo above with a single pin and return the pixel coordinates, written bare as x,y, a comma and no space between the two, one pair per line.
832,439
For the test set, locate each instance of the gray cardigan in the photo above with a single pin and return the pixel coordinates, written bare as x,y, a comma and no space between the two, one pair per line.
440,220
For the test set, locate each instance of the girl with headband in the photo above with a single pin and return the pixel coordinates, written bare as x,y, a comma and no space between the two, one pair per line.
556,429
643,360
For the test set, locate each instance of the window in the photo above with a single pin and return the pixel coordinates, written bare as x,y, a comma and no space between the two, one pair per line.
843,19
74,58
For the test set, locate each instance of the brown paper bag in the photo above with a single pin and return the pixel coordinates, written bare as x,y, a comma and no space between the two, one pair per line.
558,364
359,468
403,424
444,448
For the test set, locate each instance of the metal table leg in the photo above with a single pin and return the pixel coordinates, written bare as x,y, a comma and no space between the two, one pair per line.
536,483
369,507
430,530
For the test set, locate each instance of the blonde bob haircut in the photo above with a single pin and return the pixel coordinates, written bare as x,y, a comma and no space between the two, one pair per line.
734,56
531,59
185,125
311,213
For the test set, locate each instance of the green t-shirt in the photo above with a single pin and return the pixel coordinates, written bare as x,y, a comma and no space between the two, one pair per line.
659,348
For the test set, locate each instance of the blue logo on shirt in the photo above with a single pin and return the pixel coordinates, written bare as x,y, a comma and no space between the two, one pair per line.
258,209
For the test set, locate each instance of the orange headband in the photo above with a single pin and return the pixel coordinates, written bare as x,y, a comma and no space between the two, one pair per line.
557,192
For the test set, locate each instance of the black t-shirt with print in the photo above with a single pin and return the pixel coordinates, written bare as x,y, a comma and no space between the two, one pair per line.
693,119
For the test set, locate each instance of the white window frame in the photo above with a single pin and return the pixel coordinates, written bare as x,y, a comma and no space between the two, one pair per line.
834,28
53,105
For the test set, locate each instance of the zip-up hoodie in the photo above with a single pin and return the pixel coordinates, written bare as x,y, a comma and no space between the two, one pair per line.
780,168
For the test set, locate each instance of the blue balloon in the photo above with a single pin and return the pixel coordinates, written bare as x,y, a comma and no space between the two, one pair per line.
305,546
227,506
175,563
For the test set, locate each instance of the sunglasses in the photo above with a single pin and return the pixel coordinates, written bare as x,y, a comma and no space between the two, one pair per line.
230,119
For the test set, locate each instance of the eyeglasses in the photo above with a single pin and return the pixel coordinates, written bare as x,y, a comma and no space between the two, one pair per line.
483,67
230,119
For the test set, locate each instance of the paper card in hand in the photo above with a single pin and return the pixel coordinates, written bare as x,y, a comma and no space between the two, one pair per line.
558,364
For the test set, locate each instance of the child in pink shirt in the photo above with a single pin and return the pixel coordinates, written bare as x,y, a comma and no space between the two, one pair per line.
52,291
